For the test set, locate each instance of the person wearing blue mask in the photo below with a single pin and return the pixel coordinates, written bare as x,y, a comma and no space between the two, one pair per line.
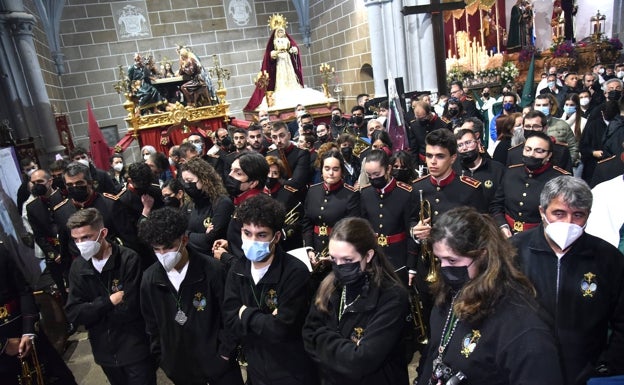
181,299
578,278
509,107
557,128
573,115
266,299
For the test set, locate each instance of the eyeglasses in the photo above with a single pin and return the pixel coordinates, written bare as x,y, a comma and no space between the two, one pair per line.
196,141
533,127
536,150
467,144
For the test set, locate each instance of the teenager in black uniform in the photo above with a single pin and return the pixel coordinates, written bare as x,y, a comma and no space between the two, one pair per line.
485,327
355,326
326,203
391,208
267,299
181,299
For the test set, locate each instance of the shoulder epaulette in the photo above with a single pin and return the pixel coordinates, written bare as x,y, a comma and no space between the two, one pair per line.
564,172
156,185
421,178
472,182
110,196
58,206
404,186
517,145
30,202
515,165
349,187
290,188
606,159
365,186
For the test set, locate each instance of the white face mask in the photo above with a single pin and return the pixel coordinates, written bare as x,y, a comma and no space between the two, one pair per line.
88,249
146,157
170,259
84,161
118,167
30,172
584,101
563,234
171,162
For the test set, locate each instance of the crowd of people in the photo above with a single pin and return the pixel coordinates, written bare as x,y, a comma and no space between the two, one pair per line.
312,252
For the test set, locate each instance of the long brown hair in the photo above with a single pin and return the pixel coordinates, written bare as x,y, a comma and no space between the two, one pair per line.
475,235
212,184
359,233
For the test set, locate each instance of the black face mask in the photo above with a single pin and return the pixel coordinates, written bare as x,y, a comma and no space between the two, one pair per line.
171,202
346,152
140,190
271,182
532,163
379,182
423,121
192,191
486,94
401,175
58,182
528,133
38,190
233,186
467,158
358,120
225,142
455,276
347,273
453,112
614,95
336,118
78,193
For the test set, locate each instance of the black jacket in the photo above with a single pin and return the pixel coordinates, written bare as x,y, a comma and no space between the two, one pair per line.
117,333
513,345
584,293
204,212
299,163
188,353
272,344
560,156
365,346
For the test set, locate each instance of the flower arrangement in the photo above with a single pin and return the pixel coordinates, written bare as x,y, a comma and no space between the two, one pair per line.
563,48
615,43
509,73
458,73
527,53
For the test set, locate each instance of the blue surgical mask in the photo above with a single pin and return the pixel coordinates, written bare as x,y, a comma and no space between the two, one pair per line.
199,147
256,251
543,109
508,106
550,84
569,110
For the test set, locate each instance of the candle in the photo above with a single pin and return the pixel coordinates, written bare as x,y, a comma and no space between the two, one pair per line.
497,26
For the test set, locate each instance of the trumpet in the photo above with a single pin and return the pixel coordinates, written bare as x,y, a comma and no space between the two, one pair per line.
416,316
425,247
32,371
291,218
319,258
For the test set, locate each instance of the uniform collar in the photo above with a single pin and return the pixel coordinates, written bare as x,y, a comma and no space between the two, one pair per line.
246,195
331,188
87,203
444,182
540,170
389,187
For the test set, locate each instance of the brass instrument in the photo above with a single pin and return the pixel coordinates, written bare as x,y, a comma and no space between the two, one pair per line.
291,218
32,371
425,247
319,259
416,316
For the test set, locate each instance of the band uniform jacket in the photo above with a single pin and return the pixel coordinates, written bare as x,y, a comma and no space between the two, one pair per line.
324,207
392,212
188,353
365,346
272,342
519,196
204,213
116,332
513,345
417,133
560,156
299,163
584,294
45,230
289,197
490,174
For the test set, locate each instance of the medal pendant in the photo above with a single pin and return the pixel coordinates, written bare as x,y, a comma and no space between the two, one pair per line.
180,317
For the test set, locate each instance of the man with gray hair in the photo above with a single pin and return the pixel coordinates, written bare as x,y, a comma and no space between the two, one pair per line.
579,279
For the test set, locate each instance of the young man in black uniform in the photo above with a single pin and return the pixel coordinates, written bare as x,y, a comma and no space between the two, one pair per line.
102,182
181,302
267,297
104,296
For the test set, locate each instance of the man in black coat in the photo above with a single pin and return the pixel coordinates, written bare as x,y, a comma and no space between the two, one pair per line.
102,182
296,160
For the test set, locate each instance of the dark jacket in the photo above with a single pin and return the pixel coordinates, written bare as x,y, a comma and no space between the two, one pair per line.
299,163
513,345
205,212
613,137
560,156
489,173
584,293
117,333
188,353
365,346
272,344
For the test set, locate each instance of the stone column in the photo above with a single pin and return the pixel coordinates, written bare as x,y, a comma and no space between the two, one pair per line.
34,97
420,51
378,48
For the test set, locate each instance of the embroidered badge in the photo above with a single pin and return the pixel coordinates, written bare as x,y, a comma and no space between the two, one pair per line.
357,334
469,342
199,301
116,286
207,222
271,299
588,285
488,184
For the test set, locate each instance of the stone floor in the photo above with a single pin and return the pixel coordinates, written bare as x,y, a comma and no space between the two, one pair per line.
80,360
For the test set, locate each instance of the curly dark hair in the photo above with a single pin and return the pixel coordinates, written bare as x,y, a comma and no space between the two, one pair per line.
163,226
212,184
141,175
262,210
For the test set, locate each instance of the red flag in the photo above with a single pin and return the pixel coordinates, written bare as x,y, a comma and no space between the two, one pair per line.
100,152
